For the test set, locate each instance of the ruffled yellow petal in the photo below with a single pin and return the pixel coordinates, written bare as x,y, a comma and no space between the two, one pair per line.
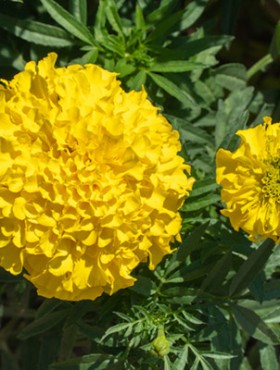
91,180
250,180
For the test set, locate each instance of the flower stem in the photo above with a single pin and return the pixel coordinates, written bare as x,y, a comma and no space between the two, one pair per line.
260,65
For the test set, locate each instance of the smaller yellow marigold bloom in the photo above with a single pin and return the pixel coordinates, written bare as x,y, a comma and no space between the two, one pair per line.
250,180
90,180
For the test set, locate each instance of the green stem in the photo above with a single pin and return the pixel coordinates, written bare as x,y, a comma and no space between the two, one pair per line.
260,65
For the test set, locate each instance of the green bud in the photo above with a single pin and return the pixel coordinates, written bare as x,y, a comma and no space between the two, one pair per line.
160,345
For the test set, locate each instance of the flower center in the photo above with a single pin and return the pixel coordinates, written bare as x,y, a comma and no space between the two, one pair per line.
271,180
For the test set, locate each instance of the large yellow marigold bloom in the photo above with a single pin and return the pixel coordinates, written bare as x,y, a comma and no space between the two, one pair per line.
250,180
90,180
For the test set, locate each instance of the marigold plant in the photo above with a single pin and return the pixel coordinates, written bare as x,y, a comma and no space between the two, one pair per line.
91,182
250,180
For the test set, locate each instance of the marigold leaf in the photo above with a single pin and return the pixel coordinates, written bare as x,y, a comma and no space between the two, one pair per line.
231,76
196,203
36,32
192,12
44,324
172,89
204,186
79,9
191,242
68,21
269,360
250,268
176,66
250,322
100,361
189,132
216,276
113,16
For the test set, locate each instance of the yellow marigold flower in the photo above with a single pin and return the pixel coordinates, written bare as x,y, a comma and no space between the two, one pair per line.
91,181
250,180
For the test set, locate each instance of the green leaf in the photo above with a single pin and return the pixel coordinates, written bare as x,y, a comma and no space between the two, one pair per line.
253,325
216,276
164,26
43,324
97,361
192,12
176,66
271,289
250,268
139,19
48,306
275,43
189,132
79,9
137,81
117,328
172,89
182,361
100,20
191,242
49,348
204,186
197,203
186,48
232,114
113,16
268,357
217,355
67,21
166,7
231,76
36,32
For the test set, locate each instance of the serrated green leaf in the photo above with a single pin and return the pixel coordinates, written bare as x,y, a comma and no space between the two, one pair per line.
182,361
197,203
67,21
231,76
253,325
167,363
43,324
250,268
204,186
117,328
190,133
232,114
79,9
172,89
113,17
36,32
176,66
